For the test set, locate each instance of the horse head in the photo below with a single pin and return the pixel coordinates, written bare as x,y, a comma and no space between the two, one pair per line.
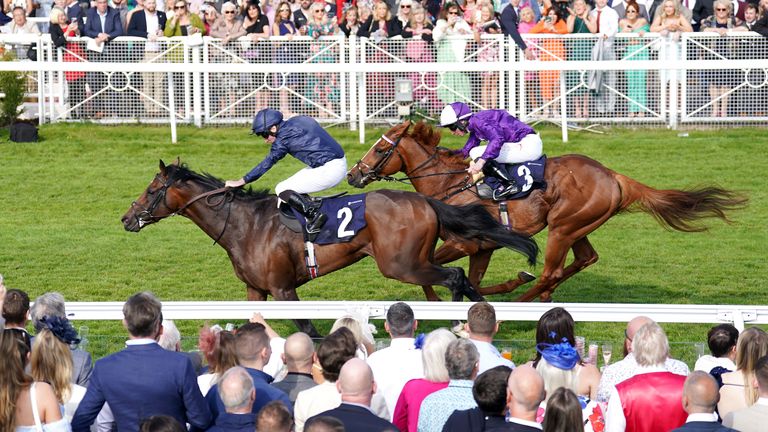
379,162
162,198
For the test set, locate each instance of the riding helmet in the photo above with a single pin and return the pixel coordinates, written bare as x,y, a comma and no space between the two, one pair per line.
454,112
265,119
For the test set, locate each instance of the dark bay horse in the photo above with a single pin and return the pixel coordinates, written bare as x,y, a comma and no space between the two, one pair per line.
401,234
581,195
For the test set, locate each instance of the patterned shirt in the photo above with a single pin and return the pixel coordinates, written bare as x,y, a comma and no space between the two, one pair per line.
627,368
438,406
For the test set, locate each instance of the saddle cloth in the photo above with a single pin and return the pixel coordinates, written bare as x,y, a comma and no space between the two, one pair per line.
528,175
346,217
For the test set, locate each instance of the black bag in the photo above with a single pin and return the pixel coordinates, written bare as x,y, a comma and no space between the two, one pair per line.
23,132
32,53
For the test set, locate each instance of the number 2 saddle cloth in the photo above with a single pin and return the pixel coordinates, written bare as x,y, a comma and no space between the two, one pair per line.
346,217
528,175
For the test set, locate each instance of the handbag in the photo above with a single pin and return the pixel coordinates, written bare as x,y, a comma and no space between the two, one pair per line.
32,53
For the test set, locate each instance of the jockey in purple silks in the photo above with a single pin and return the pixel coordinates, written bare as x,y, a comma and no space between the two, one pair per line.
509,140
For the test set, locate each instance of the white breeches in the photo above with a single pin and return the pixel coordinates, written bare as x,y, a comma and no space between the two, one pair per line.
309,180
529,148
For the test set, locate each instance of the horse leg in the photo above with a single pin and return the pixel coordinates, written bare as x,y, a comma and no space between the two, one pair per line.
584,255
444,254
304,325
256,294
554,260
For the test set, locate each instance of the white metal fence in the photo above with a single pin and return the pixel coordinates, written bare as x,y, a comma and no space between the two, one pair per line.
739,315
701,79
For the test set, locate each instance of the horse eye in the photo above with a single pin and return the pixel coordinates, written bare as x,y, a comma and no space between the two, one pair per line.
379,151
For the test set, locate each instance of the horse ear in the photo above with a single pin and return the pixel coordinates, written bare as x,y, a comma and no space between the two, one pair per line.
406,126
178,161
162,167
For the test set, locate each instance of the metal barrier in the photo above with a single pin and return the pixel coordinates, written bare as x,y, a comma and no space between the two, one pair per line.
738,315
701,79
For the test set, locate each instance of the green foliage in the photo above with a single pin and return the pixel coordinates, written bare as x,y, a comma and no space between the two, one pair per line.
60,226
13,85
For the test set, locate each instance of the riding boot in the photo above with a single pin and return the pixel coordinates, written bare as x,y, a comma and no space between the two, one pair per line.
492,169
310,210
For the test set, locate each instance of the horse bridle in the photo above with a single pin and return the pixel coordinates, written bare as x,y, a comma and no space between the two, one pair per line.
373,173
146,216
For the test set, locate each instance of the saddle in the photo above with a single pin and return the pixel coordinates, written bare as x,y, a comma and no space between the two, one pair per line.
528,176
295,221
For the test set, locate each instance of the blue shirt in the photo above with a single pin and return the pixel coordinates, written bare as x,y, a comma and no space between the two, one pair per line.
437,407
265,394
234,423
497,127
303,138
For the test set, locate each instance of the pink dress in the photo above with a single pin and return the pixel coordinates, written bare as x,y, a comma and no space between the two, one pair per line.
406,416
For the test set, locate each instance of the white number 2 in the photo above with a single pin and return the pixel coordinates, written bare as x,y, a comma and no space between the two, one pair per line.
345,215
524,172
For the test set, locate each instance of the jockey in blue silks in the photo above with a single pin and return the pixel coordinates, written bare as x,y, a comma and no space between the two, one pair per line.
509,140
303,138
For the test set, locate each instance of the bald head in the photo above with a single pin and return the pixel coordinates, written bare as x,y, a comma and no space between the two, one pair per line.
632,327
525,391
355,382
298,353
700,393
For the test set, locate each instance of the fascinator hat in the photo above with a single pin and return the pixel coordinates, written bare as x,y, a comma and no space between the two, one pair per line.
61,328
560,355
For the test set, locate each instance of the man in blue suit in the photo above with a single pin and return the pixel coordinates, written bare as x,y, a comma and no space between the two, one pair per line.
102,25
700,396
75,13
149,24
253,351
143,379
357,387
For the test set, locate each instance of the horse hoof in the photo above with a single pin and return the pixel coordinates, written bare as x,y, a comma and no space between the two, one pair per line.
526,277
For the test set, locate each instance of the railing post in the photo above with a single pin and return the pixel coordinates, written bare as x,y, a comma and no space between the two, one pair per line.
206,80
362,94
342,78
352,83
196,93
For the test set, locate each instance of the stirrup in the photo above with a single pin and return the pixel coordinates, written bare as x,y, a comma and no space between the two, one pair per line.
315,224
484,191
498,195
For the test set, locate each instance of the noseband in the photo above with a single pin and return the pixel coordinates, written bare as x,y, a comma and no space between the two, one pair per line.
146,216
373,173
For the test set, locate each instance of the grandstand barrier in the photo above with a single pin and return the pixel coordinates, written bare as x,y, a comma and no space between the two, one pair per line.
738,315
702,80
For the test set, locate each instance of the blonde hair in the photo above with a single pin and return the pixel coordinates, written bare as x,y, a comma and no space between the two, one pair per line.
726,3
554,377
650,345
417,9
527,10
752,345
381,2
433,354
55,13
51,362
676,4
353,325
12,380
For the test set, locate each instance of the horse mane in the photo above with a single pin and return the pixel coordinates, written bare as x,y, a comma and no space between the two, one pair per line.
182,173
428,136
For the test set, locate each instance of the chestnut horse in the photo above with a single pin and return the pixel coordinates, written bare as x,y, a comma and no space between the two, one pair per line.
401,234
581,195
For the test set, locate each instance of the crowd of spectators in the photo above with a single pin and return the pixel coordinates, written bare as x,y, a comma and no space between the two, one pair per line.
243,25
253,379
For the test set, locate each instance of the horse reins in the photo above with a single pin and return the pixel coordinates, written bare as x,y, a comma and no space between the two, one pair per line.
373,172
146,215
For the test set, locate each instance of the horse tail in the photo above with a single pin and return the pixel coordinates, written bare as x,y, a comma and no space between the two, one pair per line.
677,209
473,222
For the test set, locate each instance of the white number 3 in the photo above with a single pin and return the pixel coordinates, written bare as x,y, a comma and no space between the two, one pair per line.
525,172
345,215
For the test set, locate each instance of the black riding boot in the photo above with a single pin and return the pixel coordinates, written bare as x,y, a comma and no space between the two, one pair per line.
315,219
492,169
